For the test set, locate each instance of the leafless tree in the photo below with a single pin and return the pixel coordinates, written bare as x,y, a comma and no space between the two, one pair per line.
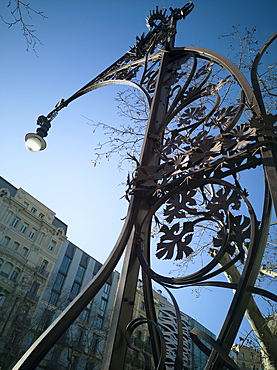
20,13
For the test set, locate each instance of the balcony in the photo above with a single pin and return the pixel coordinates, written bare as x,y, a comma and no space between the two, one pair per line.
32,296
40,270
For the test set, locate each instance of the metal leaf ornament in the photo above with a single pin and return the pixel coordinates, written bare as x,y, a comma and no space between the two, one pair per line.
171,238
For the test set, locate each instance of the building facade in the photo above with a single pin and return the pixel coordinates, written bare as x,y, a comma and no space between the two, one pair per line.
248,357
198,359
31,238
168,324
193,358
82,346
41,272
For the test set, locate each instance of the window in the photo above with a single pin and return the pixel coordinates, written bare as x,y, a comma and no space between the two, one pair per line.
65,264
41,215
259,358
6,241
32,233
33,210
80,337
75,290
99,322
24,251
242,355
102,307
52,245
80,274
252,366
59,282
15,221
53,298
24,227
55,357
139,335
34,287
84,315
251,356
106,290
43,266
25,204
95,342
6,270
142,305
15,246
243,365
1,262
15,274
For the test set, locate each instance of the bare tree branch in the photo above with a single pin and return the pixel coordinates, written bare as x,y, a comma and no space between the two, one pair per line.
18,11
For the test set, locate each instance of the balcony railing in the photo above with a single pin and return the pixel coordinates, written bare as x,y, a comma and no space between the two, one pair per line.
40,270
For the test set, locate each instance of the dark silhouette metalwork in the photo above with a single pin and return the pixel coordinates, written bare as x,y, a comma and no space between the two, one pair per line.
193,146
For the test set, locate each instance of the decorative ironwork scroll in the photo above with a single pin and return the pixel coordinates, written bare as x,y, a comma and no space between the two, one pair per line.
196,142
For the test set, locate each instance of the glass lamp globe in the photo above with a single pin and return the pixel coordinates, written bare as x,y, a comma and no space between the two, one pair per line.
34,142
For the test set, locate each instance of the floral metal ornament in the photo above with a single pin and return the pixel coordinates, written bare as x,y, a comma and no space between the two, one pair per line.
185,180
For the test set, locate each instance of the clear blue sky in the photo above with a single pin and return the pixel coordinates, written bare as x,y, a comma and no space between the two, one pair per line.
80,39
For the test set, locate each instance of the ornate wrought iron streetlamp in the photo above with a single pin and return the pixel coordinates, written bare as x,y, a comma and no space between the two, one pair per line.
193,149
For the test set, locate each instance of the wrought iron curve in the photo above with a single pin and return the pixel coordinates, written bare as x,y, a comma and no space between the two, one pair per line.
164,173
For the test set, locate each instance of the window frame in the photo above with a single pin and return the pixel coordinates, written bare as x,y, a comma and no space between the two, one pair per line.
79,278
15,222
26,251
15,242
24,227
64,267
6,274
75,291
52,247
16,271
32,233
6,241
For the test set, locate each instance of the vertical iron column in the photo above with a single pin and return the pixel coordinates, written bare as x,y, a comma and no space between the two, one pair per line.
116,346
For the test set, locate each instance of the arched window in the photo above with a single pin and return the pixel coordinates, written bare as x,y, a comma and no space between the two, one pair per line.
6,241
15,274
6,270
243,365
24,251
15,246
43,266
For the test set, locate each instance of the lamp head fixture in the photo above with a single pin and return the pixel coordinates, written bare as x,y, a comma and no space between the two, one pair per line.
34,141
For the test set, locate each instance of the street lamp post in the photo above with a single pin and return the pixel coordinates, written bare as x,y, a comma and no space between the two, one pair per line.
186,156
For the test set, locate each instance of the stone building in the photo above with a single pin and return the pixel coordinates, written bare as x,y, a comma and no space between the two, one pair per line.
248,358
41,272
31,238
193,358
